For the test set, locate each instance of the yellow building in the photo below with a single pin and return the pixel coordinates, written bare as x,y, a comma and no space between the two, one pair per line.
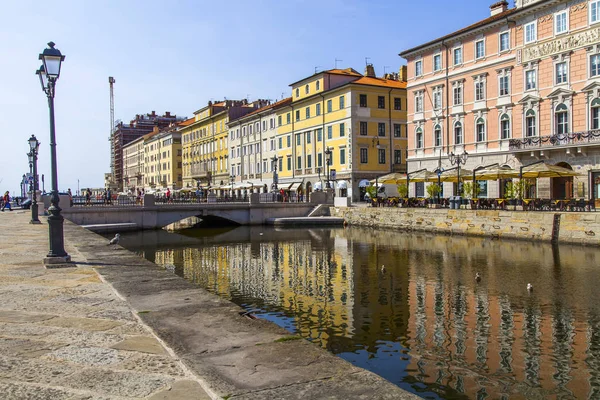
162,159
205,154
357,122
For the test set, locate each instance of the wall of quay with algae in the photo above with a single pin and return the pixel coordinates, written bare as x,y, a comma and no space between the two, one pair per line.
567,227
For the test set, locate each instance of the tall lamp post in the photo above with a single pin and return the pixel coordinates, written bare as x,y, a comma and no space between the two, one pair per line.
231,179
458,160
34,145
327,162
274,160
49,73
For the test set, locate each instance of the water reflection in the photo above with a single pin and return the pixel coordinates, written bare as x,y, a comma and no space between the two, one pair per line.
422,321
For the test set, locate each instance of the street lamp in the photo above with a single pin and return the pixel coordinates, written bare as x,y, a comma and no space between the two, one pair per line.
274,160
231,179
327,162
458,160
49,73
34,145
23,186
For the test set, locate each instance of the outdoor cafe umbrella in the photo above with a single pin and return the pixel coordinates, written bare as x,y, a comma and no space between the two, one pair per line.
394,177
495,173
451,175
423,176
543,170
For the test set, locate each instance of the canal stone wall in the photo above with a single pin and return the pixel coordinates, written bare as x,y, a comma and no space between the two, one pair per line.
578,228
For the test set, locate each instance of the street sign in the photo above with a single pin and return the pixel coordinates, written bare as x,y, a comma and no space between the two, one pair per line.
333,174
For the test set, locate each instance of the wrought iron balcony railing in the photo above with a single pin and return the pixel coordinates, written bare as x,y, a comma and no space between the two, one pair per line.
565,139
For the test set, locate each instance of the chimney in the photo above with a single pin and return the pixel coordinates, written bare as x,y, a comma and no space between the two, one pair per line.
167,114
402,73
370,71
498,7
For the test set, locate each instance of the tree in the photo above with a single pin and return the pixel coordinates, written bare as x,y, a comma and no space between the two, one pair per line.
433,190
403,190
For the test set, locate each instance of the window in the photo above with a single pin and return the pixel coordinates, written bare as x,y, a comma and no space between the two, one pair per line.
562,119
342,156
418,68
319,160
419,138
595,64
342,129
341,102
362,100
437,62
319,135
397,103
397,130
308,137
437,136
531,32
504,41
437,99
289,140
530,124
289,163
307,112
381,129
457,95
504,89
297,115
561,72
480,129
309,161
594,11
306,89
363,128
280,164
364,156
458,133
318,109
299,162
281,143
479,91
381,156
397,156
329,106
419,102
288,118
595,114
479,49
297,92
561,22
380,102
458,56
298,139
530,80
504,127
330,132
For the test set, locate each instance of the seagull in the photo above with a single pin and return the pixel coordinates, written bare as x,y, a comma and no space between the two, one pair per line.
261,234
529,287
477,277
382,269
115,240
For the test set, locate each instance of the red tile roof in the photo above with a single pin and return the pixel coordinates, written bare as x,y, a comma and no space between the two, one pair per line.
365,80
187,122
278,104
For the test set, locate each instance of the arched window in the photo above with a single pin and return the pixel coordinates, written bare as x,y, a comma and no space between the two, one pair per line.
458,133
561,116
530,124
306,89
437,135
480,129
595,114
318,83
419,138
504,126
297,92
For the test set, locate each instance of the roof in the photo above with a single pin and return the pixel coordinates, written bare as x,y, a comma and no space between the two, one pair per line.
278,104
335,71
476,25
187,122
365,80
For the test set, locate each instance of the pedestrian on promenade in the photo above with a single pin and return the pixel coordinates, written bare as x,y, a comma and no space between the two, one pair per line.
70,196
168,195
138,198
108,196
6,201
88,197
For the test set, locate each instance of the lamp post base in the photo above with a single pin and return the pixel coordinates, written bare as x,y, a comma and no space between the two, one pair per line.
58,262
35,222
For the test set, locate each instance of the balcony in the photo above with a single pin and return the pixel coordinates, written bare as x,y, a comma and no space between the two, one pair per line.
555,141
200,171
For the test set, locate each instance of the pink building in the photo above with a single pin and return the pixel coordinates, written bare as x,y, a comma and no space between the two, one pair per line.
520,86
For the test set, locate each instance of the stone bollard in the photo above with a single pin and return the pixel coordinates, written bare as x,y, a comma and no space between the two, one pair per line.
148,200
254,198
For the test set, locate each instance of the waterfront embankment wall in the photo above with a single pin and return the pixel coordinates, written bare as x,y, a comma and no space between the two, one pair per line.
567,227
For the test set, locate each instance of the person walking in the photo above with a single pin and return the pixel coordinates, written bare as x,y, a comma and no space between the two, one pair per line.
70,197
168,195
6,201
88,197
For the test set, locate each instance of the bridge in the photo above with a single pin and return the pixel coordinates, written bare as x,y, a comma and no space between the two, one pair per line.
256,210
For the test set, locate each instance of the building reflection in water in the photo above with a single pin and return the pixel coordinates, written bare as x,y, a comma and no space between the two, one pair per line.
422,321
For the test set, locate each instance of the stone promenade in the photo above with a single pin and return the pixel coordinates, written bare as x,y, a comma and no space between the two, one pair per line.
115,326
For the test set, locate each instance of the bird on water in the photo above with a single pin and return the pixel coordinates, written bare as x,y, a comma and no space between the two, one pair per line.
529,287
115,240
477,277
382,269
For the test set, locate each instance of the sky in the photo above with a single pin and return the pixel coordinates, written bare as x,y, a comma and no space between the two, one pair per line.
176,56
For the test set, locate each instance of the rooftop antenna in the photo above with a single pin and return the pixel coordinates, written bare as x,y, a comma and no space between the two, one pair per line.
336,61
367,59
316,68
282,94
384,69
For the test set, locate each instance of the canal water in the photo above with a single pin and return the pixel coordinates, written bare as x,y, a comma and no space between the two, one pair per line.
407,306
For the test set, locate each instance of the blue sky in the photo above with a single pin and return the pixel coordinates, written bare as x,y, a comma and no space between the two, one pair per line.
177,55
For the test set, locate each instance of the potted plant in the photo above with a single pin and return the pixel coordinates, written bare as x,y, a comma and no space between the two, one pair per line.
433,190
372,192
467,191
403,190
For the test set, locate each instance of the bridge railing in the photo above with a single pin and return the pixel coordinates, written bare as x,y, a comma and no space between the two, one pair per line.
99,201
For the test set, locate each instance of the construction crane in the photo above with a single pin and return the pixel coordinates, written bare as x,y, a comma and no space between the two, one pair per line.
111,138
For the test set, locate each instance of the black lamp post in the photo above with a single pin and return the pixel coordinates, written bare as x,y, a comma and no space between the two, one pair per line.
274,160
23,187
458,160
34,145
49,73
327,162
231,179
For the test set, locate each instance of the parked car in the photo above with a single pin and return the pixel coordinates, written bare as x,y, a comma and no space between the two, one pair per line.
26,204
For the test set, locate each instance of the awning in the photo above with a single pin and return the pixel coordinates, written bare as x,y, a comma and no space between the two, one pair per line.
318,186
342,185
363,183
295,186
